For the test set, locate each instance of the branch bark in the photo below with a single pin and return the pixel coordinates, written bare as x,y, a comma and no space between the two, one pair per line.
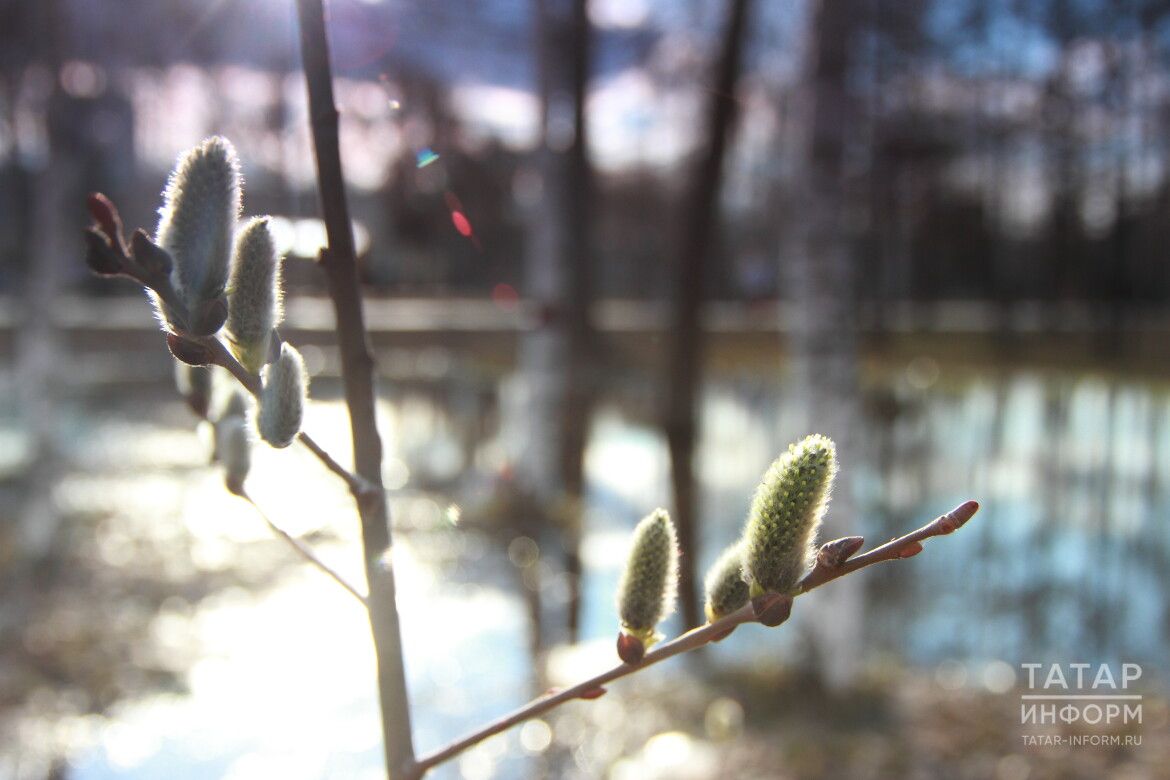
339,262
828,567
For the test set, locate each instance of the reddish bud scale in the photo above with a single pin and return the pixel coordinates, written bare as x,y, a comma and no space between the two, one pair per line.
910,550
150,256
772,609
833,554
190,352
630,648
957,517
105,214
100,256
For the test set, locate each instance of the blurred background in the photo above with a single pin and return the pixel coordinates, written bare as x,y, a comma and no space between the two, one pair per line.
617,255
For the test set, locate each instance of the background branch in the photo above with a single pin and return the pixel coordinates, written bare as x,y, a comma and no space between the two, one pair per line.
684,365
303,549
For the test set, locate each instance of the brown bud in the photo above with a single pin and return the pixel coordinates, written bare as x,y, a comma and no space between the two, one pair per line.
105,214
209,317
910,550
593,693
772,609
833,554
101,258
153,259
957,517
630,648
190,352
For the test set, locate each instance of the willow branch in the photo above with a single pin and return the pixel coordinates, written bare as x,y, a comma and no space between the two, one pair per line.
304,550
220,356
339,262
828,567
111,255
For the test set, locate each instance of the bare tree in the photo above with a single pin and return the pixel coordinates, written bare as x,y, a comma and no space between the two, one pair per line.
553,398
339,262
684,367
820,285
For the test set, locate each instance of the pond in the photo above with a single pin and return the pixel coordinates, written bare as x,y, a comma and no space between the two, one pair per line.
269,664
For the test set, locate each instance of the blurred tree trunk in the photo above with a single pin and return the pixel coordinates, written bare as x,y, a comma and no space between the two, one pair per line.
820,276
54,183
555,393
39,353
684,367
577,301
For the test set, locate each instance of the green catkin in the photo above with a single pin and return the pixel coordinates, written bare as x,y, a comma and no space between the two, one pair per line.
282,398
647,589
254,305
785,515
201,203
725,587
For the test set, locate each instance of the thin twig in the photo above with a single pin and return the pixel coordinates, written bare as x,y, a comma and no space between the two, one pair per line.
903,547
698,637
304,550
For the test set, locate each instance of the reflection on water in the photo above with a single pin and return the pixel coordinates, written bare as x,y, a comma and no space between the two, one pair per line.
1071,550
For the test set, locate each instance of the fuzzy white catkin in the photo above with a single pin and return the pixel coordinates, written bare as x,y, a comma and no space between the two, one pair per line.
195,385
201,203
254,299
233,403
234,448
282,398
230,405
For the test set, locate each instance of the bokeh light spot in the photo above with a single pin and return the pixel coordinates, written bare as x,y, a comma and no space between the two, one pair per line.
505,296
461,223
523,552
536,736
